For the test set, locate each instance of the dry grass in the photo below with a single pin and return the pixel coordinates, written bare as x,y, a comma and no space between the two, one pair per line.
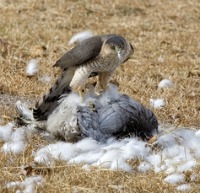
167,45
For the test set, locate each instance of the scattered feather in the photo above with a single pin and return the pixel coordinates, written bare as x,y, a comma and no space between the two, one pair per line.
183,187
45,79
23,110
19,135
174,179
165,83
32,67
179,152
14,147
120,164
194,177
79,37
87,144
155,161
187,166
13,184
144,167
29,185
6,131
160,59
157,103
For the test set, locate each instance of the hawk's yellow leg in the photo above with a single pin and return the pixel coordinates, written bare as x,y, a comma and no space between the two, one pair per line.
79,80
102,81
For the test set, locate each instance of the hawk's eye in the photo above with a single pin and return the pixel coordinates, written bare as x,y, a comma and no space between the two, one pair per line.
112,47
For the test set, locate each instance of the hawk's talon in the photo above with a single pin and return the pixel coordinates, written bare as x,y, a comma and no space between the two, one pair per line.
100,88
97,92
91,106
79,90
80,93
105,87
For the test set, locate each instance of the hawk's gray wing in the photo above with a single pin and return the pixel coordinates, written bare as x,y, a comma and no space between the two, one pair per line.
82,52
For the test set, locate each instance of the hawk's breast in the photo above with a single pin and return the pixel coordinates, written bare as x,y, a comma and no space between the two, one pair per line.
103,64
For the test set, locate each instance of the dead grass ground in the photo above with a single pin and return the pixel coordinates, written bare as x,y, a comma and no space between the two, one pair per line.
167,45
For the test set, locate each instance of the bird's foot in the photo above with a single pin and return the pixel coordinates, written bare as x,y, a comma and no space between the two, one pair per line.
80,91
105,87
92,106
99,89
153,139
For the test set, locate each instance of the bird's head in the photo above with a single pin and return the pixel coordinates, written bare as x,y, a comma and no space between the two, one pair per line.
114,45
146,124
128,53
118,46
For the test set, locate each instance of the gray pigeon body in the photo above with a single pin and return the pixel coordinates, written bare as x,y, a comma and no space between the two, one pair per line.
119,118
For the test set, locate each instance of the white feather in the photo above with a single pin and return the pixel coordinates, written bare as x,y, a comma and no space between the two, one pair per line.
6,131
32,67
14,184
14,147
160,59
19,135
45,78
79,37
183,187
90,157
175,178
187,166
28,185
165,83
121,164
144,167
155,161
157,103
24,110
87,145
108,157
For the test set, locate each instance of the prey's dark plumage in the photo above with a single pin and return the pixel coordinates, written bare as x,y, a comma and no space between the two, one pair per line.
120,118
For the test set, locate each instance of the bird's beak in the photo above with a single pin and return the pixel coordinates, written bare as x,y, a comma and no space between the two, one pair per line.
154,136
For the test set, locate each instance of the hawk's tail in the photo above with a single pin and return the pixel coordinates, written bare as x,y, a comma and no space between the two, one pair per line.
49,102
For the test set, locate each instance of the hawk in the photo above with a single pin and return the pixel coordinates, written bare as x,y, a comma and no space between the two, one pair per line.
98,55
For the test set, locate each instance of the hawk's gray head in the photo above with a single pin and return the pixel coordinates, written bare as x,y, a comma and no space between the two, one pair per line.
119,45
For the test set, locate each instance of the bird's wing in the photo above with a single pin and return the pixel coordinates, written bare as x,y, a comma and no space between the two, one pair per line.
126,116
82,52
49,101
88,122
114,116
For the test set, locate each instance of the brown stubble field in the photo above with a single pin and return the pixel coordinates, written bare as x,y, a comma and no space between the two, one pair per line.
166,38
